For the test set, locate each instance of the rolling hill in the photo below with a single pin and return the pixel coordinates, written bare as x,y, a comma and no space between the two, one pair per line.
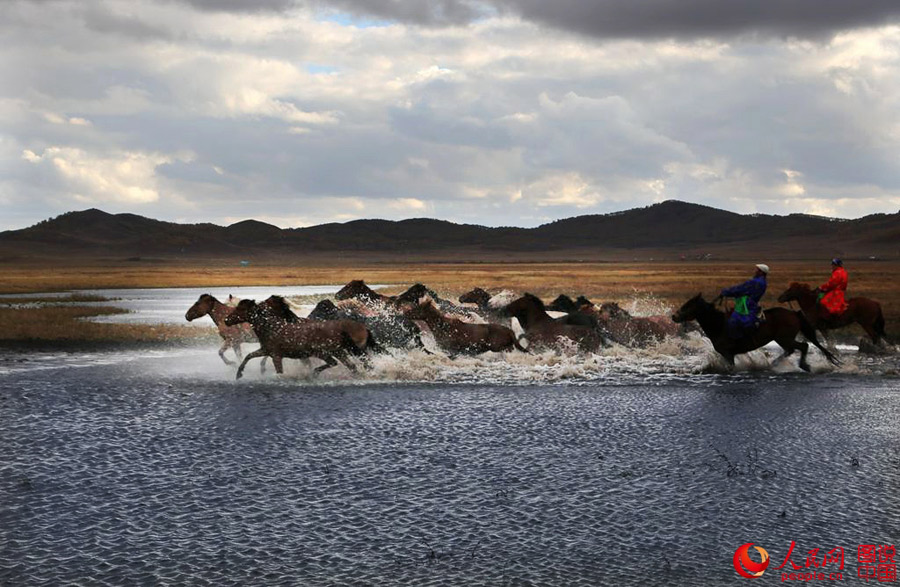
669,229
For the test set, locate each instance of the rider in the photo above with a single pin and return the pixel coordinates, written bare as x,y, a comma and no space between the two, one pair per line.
746,303
834,289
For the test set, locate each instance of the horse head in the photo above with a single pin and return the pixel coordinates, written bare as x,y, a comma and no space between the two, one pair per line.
522,307
563,303
324,310
613,311
201,307
583,301
415,293
423,311
476,296
356,289
690,309
794,292
241,313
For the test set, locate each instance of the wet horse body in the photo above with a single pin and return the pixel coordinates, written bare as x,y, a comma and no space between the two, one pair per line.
863,311
394,330
780,325
232,336
283,335
543,331
458,337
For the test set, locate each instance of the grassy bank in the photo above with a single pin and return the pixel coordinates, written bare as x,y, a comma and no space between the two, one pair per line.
57,325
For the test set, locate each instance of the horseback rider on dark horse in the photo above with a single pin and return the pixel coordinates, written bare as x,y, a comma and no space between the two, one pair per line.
745,315
826,307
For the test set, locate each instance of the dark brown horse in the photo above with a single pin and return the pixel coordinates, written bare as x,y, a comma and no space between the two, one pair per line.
863,311
780,324
456,336
357,289
330,340
232,336
543,331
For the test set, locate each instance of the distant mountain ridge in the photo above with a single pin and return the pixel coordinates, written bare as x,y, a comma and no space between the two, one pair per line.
672,226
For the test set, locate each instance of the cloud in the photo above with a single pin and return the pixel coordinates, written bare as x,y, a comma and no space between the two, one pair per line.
125,178
495,112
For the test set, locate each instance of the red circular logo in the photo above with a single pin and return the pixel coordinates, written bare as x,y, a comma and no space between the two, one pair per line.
745,566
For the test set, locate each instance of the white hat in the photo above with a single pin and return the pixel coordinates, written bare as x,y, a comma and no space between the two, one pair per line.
763,268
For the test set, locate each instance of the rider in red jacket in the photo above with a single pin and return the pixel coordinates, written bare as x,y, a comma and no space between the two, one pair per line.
834,288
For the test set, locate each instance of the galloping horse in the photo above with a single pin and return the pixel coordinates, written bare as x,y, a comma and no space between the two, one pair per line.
780,324
456,336
232,336
863,311
542,330
301,339
395,330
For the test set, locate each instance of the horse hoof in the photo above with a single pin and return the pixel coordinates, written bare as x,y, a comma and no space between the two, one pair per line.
239,375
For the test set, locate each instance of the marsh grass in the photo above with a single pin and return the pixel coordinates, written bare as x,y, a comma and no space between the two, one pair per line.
67,323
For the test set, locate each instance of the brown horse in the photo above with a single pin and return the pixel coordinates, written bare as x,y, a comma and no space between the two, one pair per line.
456,336
301,339
780,324
543,331
359,290
863,311
232,336
633,330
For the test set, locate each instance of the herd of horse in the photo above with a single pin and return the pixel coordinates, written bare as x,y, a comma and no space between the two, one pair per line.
361,321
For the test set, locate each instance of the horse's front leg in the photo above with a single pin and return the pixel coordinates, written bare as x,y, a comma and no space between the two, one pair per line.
253,355
222,349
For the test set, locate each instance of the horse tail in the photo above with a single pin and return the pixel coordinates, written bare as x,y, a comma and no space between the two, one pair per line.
810,334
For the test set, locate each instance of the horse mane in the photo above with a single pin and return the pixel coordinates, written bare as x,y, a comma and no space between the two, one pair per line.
804,287
583,301
536,300
282,308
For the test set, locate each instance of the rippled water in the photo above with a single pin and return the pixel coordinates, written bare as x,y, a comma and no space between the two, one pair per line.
156,467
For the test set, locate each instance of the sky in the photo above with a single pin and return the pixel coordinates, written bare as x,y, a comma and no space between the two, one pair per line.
493,112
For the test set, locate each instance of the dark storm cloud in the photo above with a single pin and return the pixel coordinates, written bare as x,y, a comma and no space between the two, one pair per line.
689,18
648,18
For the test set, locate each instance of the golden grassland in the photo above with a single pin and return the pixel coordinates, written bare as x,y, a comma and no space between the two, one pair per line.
669,282
62,324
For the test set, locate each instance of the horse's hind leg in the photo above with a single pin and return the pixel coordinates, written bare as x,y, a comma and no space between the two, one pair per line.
277,361
804,349
236,347
225,345
343,358
329,362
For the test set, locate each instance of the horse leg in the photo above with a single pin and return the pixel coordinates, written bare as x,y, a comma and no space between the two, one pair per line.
225,345
329,362
870,330
236,347
343,358
262,365
253,355
277,362
790,346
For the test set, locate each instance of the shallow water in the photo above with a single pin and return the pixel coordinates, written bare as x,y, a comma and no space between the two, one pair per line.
156,467
629,467
168,305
